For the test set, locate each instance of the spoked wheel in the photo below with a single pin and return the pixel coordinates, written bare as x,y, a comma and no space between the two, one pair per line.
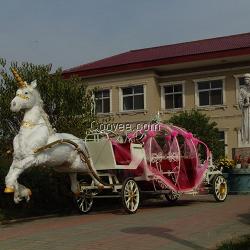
172,196
85,199
220,189
130,196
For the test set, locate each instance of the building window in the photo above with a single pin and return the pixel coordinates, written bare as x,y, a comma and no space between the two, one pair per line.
102,100
173,96
210,92
133,97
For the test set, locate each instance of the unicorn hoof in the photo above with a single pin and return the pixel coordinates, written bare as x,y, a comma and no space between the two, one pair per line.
8,190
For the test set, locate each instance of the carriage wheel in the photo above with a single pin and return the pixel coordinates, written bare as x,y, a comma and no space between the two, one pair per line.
172,196
220,189
85,199
130,196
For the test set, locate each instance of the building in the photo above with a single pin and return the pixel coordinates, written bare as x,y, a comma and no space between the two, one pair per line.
203,75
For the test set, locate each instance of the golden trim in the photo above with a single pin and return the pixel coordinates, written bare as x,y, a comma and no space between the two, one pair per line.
8,190
21,84
222,188
23,96
27,124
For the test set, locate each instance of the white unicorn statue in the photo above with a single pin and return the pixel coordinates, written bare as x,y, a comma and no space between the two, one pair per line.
36,132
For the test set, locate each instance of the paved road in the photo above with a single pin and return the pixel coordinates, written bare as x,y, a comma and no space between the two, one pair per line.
193,223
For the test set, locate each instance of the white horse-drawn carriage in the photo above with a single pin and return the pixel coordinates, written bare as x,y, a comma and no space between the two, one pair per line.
162,160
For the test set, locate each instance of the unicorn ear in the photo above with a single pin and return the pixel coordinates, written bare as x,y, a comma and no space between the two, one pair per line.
33,84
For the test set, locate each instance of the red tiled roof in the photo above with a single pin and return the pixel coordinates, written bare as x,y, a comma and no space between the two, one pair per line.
181,52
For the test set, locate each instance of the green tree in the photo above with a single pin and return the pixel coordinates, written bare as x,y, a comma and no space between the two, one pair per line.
68,105
67,102
202,127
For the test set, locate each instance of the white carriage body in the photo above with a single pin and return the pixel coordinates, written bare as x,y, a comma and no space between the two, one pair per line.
102,155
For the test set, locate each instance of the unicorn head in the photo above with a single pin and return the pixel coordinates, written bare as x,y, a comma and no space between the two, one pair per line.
26,96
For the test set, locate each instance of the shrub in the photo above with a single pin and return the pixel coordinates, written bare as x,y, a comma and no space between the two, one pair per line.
202,127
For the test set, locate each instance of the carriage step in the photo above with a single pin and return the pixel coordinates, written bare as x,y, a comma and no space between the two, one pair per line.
107,196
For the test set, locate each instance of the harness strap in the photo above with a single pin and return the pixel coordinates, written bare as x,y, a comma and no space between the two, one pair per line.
83,156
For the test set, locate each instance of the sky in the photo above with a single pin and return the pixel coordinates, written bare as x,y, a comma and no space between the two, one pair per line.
68,33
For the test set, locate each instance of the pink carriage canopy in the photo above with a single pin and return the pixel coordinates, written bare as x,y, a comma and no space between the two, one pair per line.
172,156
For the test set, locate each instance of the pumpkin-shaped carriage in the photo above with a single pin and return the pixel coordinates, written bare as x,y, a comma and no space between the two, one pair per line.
164,159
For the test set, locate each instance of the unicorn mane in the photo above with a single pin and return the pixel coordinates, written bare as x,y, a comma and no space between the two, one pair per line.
39,103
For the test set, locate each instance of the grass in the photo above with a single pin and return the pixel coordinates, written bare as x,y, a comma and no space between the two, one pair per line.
239,243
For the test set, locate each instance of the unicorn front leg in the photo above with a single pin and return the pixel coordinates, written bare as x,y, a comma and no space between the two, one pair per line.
12,185
9,178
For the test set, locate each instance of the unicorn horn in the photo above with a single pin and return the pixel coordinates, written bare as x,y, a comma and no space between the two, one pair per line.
20,82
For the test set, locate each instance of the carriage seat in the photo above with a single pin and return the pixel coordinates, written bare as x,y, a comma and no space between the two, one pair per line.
102,155
166,165
122,153
187,168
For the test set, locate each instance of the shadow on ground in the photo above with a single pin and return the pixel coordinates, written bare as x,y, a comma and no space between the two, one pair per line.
245,218
114,206
162,233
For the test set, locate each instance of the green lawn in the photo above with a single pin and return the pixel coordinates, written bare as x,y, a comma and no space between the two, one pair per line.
239,243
